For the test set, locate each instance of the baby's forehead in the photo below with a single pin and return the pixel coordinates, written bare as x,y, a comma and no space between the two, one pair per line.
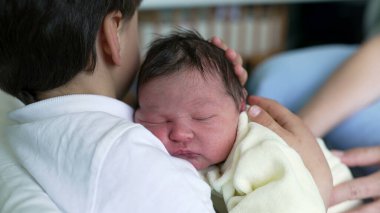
207,74
210,77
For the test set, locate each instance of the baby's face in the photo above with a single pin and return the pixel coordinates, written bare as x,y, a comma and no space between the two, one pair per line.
194,118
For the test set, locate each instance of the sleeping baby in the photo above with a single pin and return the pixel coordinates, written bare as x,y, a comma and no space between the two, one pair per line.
190,98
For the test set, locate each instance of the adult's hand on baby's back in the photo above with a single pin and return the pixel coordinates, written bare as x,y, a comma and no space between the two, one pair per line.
293,131
234,58
363,187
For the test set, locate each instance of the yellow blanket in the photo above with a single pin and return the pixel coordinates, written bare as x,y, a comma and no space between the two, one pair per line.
263,174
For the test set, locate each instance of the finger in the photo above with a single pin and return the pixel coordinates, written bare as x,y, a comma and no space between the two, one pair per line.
235,58
258,115
237,61
291,124
291,129
279,113
373,207
218,42
360,188
366,156
241,73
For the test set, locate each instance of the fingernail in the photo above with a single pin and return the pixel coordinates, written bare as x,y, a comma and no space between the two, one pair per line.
337,153
254,110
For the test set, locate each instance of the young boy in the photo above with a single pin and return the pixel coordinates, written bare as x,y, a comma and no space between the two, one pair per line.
190,99
69,61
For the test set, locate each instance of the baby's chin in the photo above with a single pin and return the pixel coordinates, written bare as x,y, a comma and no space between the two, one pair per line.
197,160
200,165
197,163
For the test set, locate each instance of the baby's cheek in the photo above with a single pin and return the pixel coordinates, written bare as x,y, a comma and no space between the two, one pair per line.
162,134
159,132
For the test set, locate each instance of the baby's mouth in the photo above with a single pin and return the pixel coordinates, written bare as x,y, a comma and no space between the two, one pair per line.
184,154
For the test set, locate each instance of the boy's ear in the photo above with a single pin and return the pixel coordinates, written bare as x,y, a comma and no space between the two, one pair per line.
112,25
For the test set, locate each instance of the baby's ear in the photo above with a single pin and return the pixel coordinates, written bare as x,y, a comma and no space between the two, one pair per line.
243,103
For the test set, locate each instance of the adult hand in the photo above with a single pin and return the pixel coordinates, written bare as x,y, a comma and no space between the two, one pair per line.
235,58
363,187
291,128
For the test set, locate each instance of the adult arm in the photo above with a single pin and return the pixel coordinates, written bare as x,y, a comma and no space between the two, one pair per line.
291,128
363,187
352,87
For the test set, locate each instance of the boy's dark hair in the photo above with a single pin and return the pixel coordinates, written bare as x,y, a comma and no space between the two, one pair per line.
184,49
45,43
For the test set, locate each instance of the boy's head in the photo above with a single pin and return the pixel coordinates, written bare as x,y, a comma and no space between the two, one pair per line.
46,43
190,98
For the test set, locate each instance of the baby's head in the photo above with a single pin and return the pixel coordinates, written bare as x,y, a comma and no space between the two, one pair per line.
190,98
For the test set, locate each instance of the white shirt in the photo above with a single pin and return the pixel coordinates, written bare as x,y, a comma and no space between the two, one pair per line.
18,191
89,156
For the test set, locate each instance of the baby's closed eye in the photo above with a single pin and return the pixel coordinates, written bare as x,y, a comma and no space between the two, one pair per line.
153,122
204,117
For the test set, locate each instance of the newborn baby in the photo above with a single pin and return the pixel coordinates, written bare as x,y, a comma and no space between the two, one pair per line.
190,98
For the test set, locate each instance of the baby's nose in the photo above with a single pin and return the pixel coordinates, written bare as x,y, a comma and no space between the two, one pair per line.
181,133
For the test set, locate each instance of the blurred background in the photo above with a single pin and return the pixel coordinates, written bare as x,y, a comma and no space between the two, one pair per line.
258,29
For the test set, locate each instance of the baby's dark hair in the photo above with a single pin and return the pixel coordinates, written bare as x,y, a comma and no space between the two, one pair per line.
184,49
45,43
